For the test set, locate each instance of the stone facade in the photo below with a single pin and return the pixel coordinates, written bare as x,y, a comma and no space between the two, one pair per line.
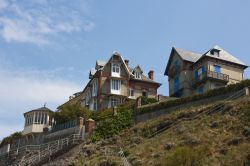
114,82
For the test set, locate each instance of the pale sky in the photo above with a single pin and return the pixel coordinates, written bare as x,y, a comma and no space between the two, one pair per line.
47,47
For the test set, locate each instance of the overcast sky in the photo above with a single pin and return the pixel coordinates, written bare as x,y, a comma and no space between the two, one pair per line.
47,47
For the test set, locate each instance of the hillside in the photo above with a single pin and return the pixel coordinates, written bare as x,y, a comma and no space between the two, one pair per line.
188,137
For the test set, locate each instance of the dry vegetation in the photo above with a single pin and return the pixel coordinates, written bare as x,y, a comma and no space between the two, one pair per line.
220,139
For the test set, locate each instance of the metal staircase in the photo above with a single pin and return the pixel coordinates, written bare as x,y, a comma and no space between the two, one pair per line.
38,154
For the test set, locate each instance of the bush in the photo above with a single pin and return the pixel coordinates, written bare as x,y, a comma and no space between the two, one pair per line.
184,156
9,139
146,100
210,93
113,125
70,112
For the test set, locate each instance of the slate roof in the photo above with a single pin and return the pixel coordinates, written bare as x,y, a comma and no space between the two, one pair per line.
188,55
92,71
39,109
224,55
194,57
100,63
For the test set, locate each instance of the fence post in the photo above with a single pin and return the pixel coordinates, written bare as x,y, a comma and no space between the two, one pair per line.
138,102
90,126
247,91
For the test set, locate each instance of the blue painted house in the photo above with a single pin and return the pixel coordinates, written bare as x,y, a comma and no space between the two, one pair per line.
192,73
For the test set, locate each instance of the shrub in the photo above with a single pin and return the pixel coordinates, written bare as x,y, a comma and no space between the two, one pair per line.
211,93
113,125
70,112
146,100
184,156
9,139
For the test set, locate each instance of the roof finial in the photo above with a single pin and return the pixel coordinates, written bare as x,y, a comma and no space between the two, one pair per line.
44,104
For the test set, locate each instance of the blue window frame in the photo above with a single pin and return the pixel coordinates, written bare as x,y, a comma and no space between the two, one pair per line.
200,89
217,69
175,63
199,72
176,84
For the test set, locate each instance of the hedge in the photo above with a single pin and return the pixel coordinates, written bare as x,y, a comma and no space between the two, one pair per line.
211,93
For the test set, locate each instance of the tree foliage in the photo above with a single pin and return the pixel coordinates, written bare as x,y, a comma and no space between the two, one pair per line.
9,139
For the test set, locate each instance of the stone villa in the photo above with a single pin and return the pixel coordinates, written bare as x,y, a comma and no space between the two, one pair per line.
114,82
192,73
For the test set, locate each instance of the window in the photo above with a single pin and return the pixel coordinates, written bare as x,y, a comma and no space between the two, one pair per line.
175,63
115,70
217,69
114,102
94,89
215,52
138,75
115,84
176,84
131,92
145,93
45,120
95,105
200,89
199,72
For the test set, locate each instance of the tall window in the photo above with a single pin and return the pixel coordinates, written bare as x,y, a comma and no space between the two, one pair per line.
115,84
131,92
199,72
114,102
144,93
138,75
217,69
176,84
115,69
95,104
94,89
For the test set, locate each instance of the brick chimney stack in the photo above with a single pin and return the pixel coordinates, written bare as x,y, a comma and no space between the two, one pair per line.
151,74
126,62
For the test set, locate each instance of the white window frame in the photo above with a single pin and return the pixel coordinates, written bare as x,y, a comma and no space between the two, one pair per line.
114,102
131,93
115,70
137,75
94,88
115,86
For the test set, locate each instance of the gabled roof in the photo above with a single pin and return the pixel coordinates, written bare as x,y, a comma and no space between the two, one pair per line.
100,63
184,55
92,72
188,55
137,67
195,57
223,55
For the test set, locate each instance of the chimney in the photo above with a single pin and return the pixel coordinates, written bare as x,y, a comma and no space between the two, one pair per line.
151,74
126,62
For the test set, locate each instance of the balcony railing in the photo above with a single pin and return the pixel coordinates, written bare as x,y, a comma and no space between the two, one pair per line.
212,75
219,76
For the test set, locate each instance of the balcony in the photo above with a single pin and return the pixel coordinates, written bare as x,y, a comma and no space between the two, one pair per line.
211,75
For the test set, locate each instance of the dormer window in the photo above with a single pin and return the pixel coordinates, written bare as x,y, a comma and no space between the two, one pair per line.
215,52
138,75
115,70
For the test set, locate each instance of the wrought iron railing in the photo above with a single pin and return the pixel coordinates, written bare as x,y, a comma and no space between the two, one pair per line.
211,74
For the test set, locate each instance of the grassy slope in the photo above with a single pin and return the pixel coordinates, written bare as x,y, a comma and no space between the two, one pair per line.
215,139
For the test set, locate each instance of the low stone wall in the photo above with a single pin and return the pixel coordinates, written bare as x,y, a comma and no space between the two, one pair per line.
146,116
5,149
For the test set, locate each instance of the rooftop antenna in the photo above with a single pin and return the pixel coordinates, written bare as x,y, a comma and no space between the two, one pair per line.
44,104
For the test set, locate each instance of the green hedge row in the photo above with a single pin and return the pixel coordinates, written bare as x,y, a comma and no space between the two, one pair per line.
210,93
